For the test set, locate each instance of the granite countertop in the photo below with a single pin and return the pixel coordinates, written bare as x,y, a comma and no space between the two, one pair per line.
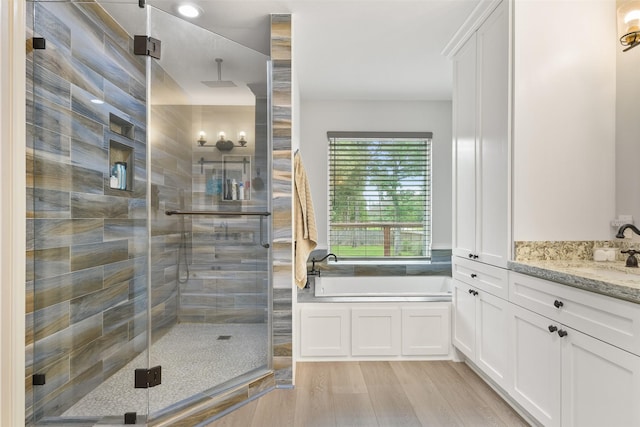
608,278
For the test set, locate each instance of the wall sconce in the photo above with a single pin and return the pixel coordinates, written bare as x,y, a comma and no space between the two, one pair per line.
223,144
629,24
202,140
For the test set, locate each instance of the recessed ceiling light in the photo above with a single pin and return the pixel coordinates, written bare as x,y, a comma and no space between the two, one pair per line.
97,101
189,10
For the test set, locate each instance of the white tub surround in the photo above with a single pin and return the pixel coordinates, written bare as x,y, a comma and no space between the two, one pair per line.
437,287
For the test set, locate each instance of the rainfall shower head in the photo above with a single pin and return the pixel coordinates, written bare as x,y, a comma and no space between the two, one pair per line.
219,83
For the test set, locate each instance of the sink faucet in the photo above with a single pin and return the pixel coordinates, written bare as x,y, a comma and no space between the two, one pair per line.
315,272
622,229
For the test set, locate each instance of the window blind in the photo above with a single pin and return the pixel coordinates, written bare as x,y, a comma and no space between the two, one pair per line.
380,195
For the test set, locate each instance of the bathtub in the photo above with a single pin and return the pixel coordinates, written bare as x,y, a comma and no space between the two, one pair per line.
384,288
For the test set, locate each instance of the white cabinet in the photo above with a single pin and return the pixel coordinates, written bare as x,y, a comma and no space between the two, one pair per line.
325,331
600,383
481,142
426,331
536,365
366,331
572,351
375,331
480,330
566,378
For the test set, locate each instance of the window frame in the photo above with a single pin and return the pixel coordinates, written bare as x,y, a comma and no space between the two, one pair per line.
428,222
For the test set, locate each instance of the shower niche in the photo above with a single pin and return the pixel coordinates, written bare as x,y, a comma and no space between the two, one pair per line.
236,178
120,176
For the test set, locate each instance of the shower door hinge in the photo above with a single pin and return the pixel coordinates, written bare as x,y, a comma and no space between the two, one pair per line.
38,379
146,378
145,45
39,42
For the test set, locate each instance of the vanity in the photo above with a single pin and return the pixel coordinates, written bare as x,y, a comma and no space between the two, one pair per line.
558,339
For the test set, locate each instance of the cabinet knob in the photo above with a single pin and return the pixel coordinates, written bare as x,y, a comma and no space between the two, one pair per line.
471,291
476,256
562,333
552,328
558,304
470,255
474,275
475,293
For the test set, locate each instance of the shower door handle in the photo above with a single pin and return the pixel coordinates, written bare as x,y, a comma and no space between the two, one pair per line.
262,242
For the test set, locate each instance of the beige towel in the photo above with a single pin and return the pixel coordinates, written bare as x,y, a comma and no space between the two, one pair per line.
306,233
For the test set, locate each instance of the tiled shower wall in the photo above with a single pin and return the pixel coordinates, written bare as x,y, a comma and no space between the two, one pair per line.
228,269
86,243
282,198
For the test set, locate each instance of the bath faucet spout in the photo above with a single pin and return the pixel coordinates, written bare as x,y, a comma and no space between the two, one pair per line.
315,272
622,229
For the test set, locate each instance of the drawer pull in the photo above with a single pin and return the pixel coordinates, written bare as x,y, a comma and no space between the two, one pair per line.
558,304
562,333
474,275
552,328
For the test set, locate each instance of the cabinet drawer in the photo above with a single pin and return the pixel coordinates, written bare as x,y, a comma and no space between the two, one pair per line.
608,319
482,276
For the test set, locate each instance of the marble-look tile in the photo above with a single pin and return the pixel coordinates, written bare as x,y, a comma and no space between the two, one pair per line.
51,175
97,302
120,315
48,144
57,375
50,262
51,86
96,206
66,122
50,320
54,233
92,255
49,24
261,385
56,289
89,156
60,344
49,204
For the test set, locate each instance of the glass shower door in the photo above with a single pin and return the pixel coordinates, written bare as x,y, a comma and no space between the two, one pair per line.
87,240
209,212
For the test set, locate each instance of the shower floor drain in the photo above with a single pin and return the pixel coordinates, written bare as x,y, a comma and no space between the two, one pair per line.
224,337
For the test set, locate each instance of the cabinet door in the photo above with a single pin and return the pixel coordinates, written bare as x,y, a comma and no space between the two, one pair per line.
492,239
464,149
324,332
536,365
375,331
426,331
464,319
600,383
491,337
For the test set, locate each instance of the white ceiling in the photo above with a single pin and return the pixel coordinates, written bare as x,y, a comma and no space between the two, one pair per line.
343,49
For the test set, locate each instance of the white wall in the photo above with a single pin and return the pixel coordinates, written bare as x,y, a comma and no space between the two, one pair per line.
318,117
628,133
564,119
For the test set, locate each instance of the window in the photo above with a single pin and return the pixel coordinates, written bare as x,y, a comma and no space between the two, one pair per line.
380,194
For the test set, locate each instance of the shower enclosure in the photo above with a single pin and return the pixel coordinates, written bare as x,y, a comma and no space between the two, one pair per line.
148,229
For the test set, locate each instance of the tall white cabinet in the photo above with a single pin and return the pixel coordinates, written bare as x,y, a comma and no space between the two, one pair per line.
481,141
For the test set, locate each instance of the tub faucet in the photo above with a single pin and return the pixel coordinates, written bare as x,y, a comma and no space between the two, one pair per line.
622,229
315,272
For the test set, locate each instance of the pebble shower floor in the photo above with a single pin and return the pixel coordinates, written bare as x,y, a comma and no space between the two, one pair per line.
193,360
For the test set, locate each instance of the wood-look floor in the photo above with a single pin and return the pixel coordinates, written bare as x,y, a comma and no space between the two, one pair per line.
398,394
